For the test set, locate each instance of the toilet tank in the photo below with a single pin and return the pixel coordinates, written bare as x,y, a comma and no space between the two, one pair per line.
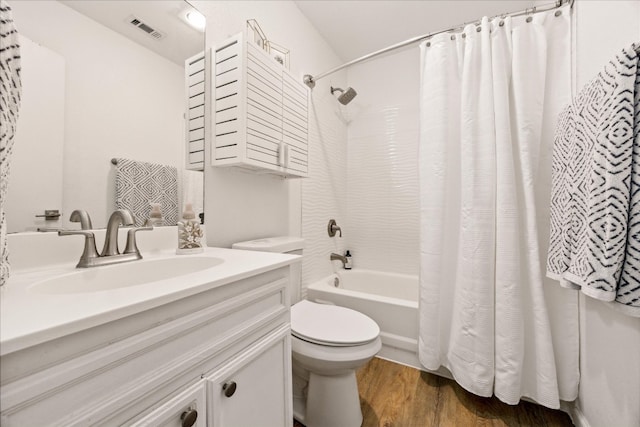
283,245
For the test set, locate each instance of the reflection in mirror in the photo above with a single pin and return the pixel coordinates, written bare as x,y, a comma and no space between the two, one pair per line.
102,80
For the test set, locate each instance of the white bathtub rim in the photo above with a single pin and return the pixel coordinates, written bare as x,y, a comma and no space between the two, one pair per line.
377,272
325,285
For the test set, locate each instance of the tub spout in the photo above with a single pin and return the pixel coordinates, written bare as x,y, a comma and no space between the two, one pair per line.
337,257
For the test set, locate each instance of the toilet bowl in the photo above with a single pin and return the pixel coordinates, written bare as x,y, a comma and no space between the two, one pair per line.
328,344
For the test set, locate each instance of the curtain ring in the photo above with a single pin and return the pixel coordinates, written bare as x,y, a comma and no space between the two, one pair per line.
478,29
428,44
464,35
453,37
530,12
558,13
501,23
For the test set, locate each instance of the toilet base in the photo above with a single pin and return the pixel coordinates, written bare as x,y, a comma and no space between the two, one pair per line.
333,401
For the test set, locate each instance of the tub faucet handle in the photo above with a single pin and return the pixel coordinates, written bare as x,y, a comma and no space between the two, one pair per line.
332,228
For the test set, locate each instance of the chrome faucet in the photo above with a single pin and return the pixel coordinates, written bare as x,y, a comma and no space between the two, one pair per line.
337,257
82,217
110,253
117,218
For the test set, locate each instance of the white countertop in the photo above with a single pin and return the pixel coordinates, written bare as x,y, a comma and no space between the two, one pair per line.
28,317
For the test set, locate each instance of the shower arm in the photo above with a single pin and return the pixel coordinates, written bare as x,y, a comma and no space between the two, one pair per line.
310,80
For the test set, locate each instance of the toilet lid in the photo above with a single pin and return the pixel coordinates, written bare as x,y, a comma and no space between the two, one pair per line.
331,325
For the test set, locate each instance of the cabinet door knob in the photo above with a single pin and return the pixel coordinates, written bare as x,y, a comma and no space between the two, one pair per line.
229,388
189,417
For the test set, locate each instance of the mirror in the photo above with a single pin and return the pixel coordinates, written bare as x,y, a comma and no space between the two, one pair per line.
101,80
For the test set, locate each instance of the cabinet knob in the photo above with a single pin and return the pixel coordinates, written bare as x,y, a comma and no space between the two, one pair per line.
189,417
229,388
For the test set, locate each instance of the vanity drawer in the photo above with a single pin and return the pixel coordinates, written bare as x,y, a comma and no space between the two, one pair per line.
183,340
189,405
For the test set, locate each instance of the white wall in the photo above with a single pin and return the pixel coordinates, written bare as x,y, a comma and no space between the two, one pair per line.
610,342
240,205
105,114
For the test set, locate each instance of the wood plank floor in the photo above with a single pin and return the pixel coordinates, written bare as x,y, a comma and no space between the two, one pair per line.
393,395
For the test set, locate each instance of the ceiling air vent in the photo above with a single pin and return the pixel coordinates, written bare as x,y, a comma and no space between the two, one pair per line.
146,28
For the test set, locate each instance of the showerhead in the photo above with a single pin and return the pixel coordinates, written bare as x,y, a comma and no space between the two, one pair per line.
346,96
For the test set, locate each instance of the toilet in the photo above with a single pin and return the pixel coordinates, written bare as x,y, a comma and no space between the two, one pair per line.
328,344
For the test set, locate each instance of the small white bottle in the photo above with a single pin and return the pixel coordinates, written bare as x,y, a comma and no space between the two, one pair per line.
189,233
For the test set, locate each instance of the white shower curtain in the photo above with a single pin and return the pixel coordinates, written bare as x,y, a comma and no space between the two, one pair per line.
489,99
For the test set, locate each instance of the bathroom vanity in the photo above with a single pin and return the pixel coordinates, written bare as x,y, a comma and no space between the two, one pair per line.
207,347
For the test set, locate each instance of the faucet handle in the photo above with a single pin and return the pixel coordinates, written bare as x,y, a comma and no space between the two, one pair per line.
132,247
332,228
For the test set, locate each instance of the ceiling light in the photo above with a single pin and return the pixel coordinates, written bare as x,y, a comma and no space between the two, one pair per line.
196,19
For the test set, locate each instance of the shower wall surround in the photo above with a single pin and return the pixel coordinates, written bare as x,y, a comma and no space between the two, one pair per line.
382,228
365,177
324,193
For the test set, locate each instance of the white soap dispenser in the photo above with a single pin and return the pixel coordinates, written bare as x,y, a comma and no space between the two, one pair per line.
189,233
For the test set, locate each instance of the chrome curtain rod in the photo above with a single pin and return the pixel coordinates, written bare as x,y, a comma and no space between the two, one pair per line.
310,80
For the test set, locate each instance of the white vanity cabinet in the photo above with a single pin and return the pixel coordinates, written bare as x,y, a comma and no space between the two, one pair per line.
260,111
156,367
184,410
252,390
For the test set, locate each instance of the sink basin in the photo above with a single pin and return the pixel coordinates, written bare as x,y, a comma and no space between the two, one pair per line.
123,275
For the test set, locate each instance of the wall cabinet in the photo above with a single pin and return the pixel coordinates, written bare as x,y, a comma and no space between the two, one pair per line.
260,118
172,365
195,108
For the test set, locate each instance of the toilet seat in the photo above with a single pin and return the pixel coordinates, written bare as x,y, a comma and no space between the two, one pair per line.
331,325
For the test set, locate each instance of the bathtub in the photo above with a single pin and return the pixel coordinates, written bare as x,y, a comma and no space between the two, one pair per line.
388,298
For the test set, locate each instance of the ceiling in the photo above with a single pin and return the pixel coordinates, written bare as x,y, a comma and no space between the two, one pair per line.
353,28
179,40
356,28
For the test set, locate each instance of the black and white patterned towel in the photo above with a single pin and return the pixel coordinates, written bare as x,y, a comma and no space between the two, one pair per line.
138,184
595,196
10,92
